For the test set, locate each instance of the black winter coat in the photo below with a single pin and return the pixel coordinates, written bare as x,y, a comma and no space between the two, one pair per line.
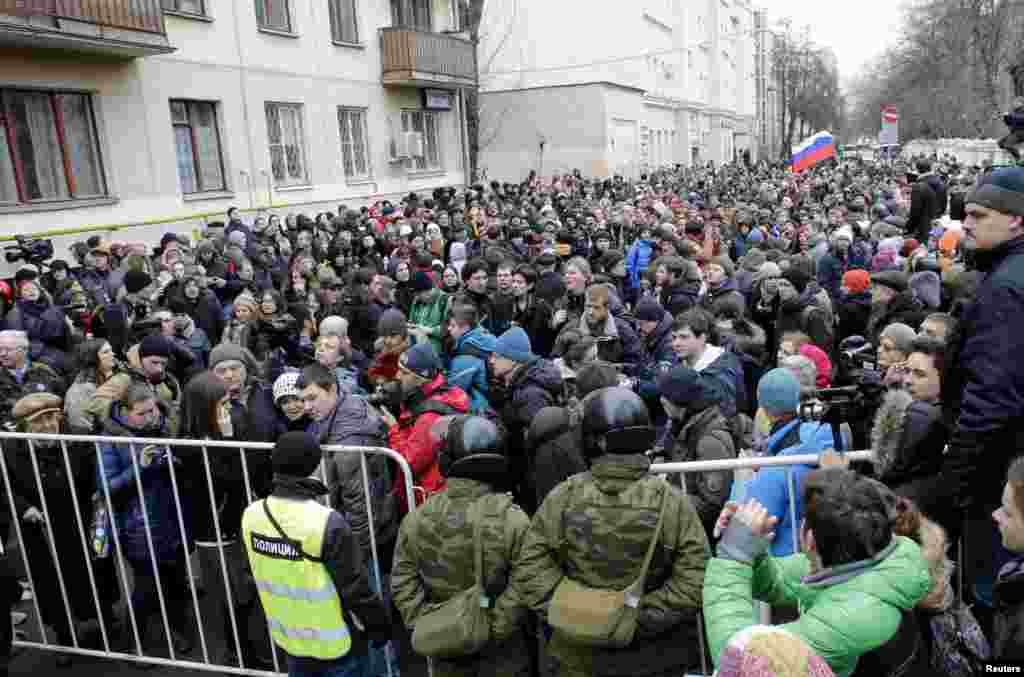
985,394
854,311
902,308
924,206
538,385
908,439
680,298
557,443
205,310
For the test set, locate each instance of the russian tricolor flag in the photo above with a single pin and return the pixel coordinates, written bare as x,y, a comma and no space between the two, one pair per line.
812,151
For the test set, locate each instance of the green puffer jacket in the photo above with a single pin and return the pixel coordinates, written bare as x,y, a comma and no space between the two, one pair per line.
433,314
596,528
845,611
434,562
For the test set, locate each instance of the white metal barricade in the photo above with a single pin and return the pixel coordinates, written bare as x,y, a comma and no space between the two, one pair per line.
32,444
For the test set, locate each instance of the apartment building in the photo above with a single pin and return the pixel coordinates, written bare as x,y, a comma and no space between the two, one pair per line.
117,111
616,88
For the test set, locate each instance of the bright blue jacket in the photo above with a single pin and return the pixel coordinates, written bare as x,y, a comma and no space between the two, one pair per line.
638,259
469,371
771,488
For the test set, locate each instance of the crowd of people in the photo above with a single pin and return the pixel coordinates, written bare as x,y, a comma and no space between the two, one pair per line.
531,349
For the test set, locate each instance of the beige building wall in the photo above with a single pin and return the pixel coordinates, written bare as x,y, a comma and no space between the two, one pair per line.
227,59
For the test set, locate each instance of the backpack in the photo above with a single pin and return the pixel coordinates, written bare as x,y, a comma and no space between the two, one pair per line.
830,324
959,647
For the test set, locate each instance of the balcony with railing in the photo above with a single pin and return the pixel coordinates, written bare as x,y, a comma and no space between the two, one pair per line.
422,58
119,28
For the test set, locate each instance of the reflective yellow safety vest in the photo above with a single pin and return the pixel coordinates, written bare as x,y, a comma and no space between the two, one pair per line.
299,598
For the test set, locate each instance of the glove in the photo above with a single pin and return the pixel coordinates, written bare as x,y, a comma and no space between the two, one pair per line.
496,583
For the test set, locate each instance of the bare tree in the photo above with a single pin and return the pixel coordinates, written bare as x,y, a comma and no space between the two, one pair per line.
808,89
946,73
484,123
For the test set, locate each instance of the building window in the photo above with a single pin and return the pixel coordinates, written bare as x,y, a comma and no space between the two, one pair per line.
197,146
427,124
49,149
184,6
287,144
273,14
355,157
411,14
344,27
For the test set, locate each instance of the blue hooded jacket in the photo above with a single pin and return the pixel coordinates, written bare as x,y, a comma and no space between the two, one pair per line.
638,259
771,488
469,371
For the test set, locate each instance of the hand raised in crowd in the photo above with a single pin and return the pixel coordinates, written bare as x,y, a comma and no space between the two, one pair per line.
756,517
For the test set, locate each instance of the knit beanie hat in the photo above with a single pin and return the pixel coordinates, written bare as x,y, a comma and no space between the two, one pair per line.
753,260
901,334
286,385
821,362
857,280
796,277
778,392
154,346
726,264
1001,190
686,387
231,352
770,651
927,288
514,345
649,310
392,323
246,299
949,241
421,360
296,454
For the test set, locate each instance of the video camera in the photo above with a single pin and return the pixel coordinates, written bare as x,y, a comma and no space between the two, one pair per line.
29,250
857,362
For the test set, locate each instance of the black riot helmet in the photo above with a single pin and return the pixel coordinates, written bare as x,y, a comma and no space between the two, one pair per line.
616,421
472,447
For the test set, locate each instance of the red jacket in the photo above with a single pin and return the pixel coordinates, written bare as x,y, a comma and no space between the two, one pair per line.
411,438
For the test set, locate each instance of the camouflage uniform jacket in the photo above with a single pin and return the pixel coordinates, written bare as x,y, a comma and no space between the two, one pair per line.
434,561
595,528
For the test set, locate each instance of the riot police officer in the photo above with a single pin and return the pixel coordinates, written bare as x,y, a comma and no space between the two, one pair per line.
434,557
598,530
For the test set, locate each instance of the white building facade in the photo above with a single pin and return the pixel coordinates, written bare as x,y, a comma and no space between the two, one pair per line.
148,109
616,88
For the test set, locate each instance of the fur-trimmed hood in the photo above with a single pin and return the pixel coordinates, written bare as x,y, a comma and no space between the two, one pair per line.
908,438
887,433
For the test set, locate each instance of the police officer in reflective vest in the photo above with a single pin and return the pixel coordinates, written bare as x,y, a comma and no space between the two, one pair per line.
309,571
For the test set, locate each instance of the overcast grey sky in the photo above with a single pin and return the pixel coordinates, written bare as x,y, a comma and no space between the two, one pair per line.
858,30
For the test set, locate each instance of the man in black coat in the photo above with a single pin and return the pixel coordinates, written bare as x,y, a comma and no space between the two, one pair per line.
984,394
927,202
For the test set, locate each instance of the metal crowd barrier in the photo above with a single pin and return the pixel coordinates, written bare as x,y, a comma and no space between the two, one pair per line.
208,447
106,499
